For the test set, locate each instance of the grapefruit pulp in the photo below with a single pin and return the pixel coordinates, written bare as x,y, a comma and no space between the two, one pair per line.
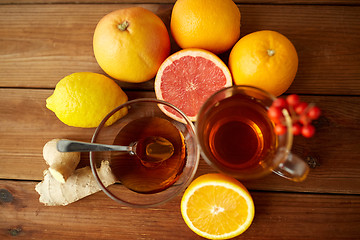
187,78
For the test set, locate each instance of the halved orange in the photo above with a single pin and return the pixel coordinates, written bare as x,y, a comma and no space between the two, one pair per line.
188,77
216,206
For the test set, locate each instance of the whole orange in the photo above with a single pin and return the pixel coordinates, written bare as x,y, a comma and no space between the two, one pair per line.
213,25
130,44
264,59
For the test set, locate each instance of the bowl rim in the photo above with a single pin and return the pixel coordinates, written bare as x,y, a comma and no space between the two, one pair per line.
187,181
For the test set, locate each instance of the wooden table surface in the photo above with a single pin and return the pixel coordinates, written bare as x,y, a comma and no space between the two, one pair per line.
43,41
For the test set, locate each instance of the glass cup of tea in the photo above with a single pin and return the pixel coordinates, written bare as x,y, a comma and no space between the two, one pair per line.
237,137
152,176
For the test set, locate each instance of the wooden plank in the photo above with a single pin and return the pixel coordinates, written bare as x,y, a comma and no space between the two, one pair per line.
39,45
334,149
26,125
322,48
278,216
327,2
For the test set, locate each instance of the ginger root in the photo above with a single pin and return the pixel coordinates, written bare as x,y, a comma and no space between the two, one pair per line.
79,185
61,164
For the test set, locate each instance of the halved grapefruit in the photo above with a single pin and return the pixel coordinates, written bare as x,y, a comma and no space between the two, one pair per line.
187,78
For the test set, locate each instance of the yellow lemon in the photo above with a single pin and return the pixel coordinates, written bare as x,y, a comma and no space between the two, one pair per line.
83,99
216,206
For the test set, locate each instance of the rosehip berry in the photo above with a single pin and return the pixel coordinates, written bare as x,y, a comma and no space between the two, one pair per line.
308,131
296,129
275,114
304,119
280,129
314,113
300,108
280,103
293,100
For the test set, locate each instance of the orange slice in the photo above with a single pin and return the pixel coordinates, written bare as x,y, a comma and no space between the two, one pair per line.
216,206
187,78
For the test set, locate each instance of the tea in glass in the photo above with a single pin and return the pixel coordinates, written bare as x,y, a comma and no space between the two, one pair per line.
237,137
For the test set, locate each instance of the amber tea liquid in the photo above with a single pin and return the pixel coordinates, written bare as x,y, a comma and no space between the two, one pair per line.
238,135
148,177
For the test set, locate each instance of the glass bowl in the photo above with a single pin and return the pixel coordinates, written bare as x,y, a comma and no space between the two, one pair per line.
139,183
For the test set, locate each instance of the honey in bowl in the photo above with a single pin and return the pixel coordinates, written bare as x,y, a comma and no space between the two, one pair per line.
138,173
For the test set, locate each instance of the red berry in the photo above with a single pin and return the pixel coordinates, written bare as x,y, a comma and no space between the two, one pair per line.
280,129
296,129
275,114
280,103
308,131
300,108
314,113
293,100
304,119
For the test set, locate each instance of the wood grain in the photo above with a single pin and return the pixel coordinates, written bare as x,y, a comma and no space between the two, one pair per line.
278,216
325,2
40,46
26,125
40,43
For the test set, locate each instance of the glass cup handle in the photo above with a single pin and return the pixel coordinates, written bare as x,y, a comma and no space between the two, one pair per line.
293,168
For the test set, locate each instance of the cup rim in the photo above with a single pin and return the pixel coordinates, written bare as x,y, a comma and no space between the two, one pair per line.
102,124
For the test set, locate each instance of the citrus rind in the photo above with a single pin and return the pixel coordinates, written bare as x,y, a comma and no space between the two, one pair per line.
219,181
193,52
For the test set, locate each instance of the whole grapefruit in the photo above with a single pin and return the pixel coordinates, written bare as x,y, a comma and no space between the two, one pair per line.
130,44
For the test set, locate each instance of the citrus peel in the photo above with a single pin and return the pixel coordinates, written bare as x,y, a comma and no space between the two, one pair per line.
264,59
216,206
187,78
